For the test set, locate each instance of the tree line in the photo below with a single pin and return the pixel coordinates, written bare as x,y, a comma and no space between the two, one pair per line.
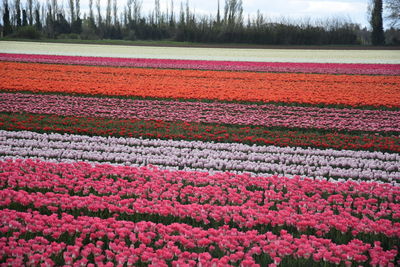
32,19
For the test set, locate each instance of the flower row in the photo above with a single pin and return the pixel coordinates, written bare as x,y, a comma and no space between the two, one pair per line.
227,113
85,240
314,215
197,131
326,68
206,52
201,156
338,227
350,90
221,189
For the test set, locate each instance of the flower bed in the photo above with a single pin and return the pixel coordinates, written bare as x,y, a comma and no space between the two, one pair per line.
189,155
326,68
197,131
198,163
349,90
119,203
203,112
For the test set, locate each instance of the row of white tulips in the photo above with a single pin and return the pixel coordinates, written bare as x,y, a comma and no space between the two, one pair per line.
204,156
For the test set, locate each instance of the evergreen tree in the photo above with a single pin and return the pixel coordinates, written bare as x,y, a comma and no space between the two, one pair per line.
218,14
7,28
24,18
38,23
76,26
377,36
99,17
91,20
17,5
172,17
77,9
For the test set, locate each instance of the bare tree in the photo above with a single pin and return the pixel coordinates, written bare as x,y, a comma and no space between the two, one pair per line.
99,17
172,17
393,7
157,11
77,9
29,5
218,14
187,13
181,15
38,20
17,6
259,21
54,8
108,13
115,12
233,13
128,10
71,6
137,9
91,15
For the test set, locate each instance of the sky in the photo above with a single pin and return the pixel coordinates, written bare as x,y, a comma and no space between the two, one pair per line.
350,10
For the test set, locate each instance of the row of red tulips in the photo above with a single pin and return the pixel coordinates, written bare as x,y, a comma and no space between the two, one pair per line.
199,131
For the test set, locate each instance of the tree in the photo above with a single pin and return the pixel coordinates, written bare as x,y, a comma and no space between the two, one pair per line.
115,12
377,36
17,5
187,13
393,7
172,17
61,25
233,13
30,11
137,9
38,23
91,15
7,28
218,14
157,12
99,18
71,6
108,14
54,8
76,23
77,9
91,21
181,16
24,18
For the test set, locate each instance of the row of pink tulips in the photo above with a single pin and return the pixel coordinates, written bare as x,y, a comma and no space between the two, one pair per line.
229,113
320,222
328,68
76,175
202,188
268,207
83,239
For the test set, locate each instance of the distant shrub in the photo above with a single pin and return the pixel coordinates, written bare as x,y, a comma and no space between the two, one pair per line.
69,36
27,32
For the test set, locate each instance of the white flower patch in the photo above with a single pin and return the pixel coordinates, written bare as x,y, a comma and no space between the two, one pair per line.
204,156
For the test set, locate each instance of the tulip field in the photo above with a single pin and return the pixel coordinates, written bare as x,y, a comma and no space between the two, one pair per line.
159,158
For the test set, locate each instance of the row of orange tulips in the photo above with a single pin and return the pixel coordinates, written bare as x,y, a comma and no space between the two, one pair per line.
350,90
